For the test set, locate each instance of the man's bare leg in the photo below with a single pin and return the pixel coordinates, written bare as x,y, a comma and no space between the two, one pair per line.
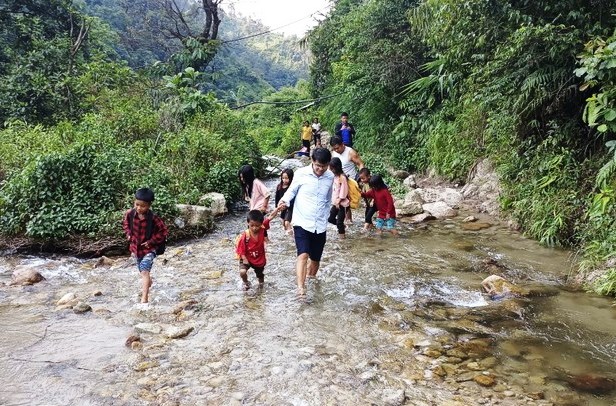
300,269
313,267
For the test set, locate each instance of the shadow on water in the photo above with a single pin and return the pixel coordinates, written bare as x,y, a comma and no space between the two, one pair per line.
390,320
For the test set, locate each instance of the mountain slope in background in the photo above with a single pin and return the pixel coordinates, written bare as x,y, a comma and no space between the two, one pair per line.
243,70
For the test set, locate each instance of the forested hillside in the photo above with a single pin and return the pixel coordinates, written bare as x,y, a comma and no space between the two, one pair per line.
245,67
441,84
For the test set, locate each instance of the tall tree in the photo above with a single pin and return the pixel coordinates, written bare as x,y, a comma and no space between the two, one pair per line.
196,25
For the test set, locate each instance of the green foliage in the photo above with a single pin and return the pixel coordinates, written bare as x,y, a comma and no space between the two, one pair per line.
62,194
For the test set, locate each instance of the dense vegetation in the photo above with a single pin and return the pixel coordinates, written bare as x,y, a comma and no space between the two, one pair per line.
89,114
440,84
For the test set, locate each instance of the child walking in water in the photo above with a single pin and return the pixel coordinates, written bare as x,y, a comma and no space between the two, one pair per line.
385,205
146,232
286,177
250,246
364,179
255,192
340,197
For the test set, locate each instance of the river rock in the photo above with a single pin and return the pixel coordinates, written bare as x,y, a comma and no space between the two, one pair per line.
470,219
474,226
131,339
410,182
440,210
103,261
592,383
485,380
393,397
477,348
456,353
97,293
498,287
185,305
66,299
451,197
410,205
489,362
81,308
149,328
142,366
418,218
429,195
177,332
26,276
216,202
197,217
483,188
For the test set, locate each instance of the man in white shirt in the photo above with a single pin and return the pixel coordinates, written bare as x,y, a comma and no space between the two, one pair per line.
312,190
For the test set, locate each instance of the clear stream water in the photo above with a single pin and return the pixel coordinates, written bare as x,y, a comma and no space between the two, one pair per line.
390,320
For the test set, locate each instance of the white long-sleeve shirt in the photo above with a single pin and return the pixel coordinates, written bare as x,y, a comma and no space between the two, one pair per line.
312,199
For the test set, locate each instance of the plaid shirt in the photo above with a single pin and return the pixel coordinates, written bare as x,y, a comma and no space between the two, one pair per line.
136,236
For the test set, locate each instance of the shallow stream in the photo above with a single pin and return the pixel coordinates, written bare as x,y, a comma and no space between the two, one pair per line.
390,320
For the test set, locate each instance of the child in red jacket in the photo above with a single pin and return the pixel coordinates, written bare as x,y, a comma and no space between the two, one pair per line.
384,202
250,246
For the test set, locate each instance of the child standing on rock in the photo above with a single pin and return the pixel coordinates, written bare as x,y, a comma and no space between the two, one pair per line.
250,246
146,233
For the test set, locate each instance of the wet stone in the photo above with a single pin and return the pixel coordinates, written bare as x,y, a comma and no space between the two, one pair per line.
456,353
485,380
471,226
142,366
66,299
148,328
81,308
431,352
178,332
488,362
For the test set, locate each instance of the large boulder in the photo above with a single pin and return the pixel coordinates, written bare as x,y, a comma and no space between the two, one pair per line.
452,197
411,205
216,202
197,217
440,210
483,188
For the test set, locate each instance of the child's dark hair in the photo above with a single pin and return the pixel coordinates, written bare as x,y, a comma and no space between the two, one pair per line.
145,194
255,215
248,173
364,171
289,173
306,122
376,182
335,165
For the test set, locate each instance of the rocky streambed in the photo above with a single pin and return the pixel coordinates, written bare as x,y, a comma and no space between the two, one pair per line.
390,321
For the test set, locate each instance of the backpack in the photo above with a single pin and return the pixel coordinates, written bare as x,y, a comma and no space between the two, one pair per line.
246,235
148,229
354,193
